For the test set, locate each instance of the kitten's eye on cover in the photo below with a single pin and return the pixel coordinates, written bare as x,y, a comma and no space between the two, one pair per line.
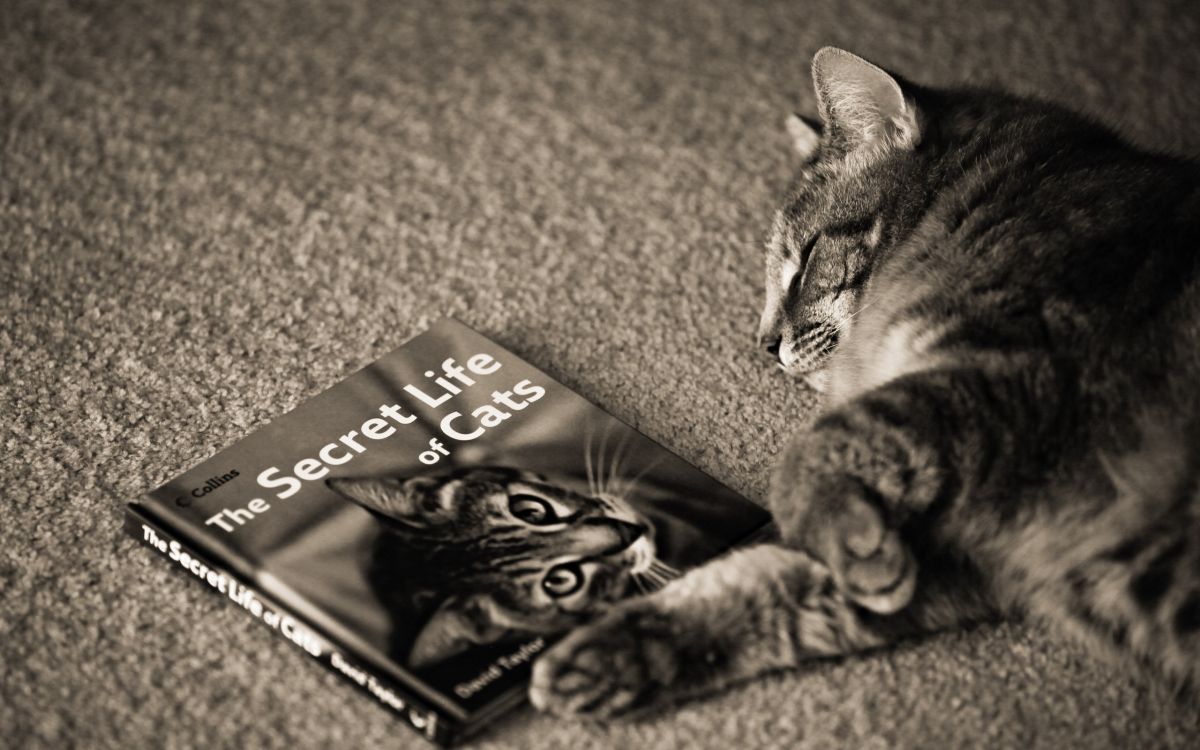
532,510
562,580
537,510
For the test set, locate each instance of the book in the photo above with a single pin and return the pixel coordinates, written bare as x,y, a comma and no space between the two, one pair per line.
429,525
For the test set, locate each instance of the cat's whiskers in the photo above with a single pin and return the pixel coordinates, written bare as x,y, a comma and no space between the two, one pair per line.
852,315
614,480
605,467
629,484
603,447
666,570
658,575
587,463
602,473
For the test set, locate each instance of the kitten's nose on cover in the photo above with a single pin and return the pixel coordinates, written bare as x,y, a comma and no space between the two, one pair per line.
628,532
607,536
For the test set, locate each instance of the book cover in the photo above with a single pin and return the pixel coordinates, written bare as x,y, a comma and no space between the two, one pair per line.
429,525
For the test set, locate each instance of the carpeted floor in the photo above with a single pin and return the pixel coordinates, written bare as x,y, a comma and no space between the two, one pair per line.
210,210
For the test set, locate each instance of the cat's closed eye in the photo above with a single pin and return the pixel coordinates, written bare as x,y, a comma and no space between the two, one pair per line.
806,253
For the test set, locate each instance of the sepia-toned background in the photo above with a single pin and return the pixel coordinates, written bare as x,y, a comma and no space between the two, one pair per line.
211,210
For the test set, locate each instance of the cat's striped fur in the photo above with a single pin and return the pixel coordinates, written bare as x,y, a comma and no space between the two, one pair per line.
1002,301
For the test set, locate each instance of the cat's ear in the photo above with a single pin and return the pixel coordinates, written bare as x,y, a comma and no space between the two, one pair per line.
458,624
805,133
863,104
413,502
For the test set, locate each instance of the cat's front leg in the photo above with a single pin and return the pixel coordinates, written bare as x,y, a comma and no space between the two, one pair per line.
825,505
893,464
751,611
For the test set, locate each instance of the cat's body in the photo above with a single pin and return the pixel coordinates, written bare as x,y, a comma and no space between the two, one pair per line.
1001,300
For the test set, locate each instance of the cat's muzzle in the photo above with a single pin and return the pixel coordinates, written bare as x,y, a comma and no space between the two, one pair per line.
808,353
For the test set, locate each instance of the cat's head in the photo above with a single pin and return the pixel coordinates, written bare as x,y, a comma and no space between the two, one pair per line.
835,222
500,552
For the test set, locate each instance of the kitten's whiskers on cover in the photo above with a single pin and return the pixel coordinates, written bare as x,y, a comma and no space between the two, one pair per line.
649,573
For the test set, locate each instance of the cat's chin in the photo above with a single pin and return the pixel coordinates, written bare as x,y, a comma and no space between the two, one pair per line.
643,552
818,380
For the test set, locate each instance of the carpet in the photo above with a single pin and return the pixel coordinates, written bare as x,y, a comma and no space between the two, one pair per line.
210,211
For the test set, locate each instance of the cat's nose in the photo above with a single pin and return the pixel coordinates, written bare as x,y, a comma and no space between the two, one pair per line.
628,532
771,344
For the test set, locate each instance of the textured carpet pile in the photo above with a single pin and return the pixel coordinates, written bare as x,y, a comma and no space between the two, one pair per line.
211,210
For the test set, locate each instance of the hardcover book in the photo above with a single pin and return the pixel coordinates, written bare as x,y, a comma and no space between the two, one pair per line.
429,525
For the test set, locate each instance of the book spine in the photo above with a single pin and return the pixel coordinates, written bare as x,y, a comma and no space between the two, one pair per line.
430,722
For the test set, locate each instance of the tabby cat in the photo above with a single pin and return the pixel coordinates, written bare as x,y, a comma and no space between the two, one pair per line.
486,554
1001,300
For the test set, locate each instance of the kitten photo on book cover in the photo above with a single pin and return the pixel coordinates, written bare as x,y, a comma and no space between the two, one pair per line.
528,537
510,552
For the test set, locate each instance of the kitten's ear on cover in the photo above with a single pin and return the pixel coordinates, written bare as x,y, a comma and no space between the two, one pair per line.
412,502
458,624
862,103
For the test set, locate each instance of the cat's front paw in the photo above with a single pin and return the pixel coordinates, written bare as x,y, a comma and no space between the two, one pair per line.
609,668
869,559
